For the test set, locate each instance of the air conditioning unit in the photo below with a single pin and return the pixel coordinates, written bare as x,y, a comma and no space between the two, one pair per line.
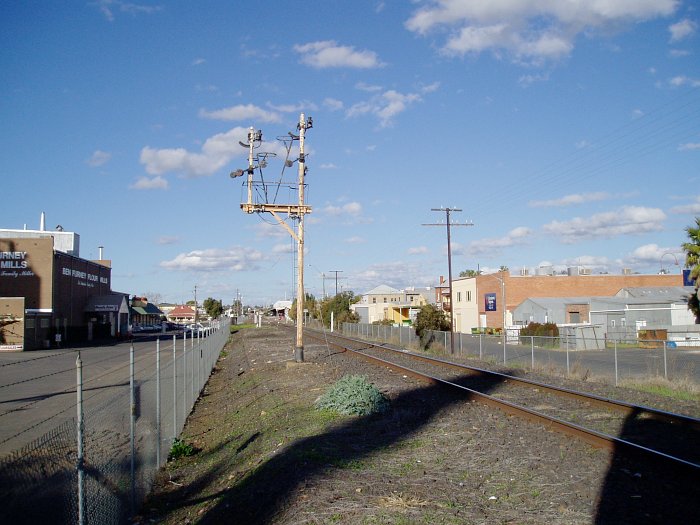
584,271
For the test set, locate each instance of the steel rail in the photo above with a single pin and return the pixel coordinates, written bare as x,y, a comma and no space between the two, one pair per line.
628,409
592,437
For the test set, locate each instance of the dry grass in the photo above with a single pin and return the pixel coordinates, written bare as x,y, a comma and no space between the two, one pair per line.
397,500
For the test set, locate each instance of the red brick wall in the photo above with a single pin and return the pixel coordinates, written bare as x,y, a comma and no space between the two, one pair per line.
520,288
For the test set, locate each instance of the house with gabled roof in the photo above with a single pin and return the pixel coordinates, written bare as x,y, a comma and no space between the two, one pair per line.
385,303
182,313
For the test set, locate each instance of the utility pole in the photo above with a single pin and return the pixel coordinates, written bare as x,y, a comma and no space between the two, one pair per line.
292,211
449,224
336,272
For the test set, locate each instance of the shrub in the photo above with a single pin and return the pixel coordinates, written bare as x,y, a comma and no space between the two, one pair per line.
353,395
545,334
181,449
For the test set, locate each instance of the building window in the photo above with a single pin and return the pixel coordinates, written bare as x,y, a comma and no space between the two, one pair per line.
44,323
459,297
612,323
374,300
469,297
29,323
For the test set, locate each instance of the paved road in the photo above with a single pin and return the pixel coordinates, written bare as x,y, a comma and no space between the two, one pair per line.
38,388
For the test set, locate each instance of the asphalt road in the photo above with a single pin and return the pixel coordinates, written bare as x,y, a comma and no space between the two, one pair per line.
38,388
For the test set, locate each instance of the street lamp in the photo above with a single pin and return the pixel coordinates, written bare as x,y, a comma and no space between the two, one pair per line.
661,265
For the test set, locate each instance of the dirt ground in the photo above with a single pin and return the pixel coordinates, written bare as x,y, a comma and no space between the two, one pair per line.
265,455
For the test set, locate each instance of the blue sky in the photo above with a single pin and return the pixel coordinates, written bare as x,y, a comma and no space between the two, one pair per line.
567,132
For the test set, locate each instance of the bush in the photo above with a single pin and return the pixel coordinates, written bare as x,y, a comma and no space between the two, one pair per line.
353,395
181,449
545,334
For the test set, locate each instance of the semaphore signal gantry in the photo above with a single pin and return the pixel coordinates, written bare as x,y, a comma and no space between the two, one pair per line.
267,193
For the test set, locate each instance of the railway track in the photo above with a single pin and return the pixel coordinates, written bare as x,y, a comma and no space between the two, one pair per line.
644,432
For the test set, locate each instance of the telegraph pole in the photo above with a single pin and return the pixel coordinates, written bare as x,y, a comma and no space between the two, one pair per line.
336,272
449,224
278,211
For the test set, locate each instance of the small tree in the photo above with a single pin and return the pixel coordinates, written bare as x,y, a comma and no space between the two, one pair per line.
429,318
213,307
340,306
469,273
692,261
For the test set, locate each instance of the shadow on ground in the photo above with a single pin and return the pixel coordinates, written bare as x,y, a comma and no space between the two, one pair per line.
264,492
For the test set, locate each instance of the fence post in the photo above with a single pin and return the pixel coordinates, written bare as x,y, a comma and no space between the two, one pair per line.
480,349
174,387
665,363
184,377
158,429
80,436
132,429
504,345
532,348
567,354
615,347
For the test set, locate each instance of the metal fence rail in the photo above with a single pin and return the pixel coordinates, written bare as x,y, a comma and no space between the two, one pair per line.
609,360
100,471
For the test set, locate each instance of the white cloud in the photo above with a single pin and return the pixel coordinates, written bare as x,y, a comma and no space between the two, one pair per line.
385,106
98,158
268,229
369,88
355,240
528,80
417,250
682,29
234,259
689,146
108,7
568,200
653,255
166,239
528,30
241,112
399,275
494,246
682,80
217,151
333,104
351,208
328,53
304,105
198,61
282,248
692,208
629,220
150,183
328,166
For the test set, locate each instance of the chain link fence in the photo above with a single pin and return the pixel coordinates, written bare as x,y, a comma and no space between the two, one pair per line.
98,467
568,354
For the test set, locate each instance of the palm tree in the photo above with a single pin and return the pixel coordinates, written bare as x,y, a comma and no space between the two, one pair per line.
692,261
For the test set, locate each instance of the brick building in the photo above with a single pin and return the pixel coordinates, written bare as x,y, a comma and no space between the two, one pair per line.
46,292
488,293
